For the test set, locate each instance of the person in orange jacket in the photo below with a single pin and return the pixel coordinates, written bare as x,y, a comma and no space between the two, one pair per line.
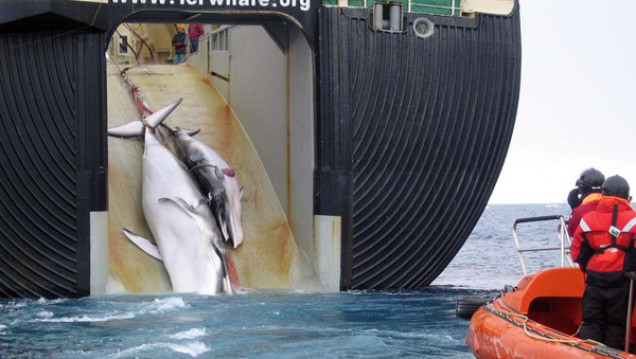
588,187
603,246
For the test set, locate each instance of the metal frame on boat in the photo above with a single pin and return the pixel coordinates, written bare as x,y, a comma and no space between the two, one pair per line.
562,236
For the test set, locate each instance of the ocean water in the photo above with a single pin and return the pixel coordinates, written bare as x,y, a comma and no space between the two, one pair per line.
488,259
279,324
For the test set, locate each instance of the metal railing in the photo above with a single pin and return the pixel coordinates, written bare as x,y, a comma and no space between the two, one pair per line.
210,44
562,236
219,38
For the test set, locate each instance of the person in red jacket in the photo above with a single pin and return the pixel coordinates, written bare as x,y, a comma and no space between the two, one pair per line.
603,246
194,32
588,186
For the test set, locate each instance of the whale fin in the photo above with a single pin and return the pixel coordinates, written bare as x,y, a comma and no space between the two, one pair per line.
136,128
143,244
185,206
223,225
158,116
227,282
191,131
129,130
188,131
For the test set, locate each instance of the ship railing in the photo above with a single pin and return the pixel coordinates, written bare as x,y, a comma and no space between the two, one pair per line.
563,238
213,53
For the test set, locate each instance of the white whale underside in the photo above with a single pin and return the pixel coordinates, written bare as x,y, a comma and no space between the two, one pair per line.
182,225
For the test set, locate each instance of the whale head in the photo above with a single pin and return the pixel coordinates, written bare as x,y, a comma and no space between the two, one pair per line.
217,182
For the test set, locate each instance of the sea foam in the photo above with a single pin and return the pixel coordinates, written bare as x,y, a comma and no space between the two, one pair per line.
157,306
193,349
45,314
163,305
190,334
86,318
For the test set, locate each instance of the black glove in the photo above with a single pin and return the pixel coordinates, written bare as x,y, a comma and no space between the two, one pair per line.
573,198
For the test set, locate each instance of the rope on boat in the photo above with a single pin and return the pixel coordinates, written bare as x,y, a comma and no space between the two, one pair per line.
528,332
524,323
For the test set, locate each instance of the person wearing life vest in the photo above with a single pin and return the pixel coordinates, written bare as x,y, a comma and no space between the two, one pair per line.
603,246
588,187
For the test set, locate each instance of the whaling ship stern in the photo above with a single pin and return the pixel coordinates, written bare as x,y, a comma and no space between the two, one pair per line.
414,104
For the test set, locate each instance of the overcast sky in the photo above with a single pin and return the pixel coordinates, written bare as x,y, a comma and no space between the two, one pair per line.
577,104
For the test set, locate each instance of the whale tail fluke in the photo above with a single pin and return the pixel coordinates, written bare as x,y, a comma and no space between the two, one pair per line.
135,129
130,130
157,117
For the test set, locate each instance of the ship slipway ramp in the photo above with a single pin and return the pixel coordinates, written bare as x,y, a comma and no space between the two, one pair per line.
386,151
270,253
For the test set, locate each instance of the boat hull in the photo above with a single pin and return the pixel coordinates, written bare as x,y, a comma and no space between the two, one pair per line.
491,336
538,319
398,148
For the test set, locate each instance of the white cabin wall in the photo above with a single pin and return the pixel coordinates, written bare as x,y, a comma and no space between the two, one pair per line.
258,97
301,113
272,93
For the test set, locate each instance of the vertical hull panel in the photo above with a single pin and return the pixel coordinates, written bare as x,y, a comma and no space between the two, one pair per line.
414,135
53,161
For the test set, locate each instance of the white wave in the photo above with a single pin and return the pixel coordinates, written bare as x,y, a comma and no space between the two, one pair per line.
190,334
15,304
245,290
3,327
194,349
163,305
51,301
26,302
428,335
157,306
45,314
86,318
552,206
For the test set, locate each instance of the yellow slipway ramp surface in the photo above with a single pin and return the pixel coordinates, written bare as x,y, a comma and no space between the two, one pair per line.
269,256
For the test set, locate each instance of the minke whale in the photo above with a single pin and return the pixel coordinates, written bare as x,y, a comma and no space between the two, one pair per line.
188,239
216,180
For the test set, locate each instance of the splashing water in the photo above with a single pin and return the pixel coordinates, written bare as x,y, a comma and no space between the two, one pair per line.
274,324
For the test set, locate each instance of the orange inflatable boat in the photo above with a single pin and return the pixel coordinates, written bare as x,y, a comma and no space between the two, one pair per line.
539,318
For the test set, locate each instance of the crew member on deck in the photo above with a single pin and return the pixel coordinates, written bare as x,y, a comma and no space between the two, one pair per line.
603,246
194,32
179,41
588,187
